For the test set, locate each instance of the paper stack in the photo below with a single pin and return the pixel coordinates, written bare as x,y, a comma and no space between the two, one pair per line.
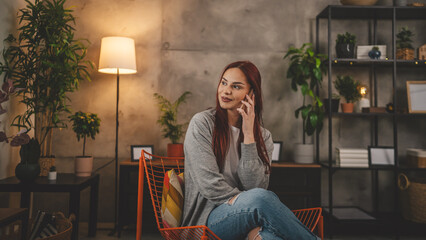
352,157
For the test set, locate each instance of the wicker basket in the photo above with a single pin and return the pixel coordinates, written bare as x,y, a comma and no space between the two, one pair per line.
64,227
45,164
405,54
413,198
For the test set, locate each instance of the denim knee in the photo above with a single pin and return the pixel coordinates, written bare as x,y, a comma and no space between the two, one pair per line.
259,197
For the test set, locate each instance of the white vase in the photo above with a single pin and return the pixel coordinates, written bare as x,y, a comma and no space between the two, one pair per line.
83,166
304,153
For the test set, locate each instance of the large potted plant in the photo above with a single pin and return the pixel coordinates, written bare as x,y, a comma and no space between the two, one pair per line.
345,45
404,48
306,70
348,88
44,62
168,121
84,125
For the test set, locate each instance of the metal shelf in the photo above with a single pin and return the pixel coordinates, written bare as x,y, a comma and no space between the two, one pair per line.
373,12
350,214
377,62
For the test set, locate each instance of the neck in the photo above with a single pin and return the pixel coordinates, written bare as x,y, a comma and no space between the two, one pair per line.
233,118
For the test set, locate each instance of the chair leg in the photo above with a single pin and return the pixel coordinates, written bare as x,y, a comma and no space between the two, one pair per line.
321,228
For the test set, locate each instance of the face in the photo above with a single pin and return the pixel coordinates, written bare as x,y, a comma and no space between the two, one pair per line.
232,89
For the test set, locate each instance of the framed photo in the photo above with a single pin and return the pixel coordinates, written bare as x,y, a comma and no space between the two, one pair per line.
416,94
276,154
136,151
381,156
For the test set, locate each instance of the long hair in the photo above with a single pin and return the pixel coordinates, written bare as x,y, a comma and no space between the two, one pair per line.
221,129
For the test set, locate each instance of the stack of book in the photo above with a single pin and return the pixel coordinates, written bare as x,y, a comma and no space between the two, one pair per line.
352,157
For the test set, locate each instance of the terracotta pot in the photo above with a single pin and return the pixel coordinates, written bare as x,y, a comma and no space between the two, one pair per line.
347,107
83,166
175,150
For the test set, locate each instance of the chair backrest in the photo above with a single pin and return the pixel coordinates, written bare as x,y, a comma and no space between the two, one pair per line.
309,216
155,169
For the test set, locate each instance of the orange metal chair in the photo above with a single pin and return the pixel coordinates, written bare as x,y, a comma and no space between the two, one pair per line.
155,168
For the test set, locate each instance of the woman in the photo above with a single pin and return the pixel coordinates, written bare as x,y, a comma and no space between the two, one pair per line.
227,165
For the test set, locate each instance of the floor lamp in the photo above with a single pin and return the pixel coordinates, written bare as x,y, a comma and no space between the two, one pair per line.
117,57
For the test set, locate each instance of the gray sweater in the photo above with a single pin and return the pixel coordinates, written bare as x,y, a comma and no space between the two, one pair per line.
205,186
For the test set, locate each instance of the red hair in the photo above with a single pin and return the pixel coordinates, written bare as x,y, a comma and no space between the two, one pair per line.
221,129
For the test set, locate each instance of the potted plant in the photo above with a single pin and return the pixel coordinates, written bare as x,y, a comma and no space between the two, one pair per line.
347,88
335,100
84,125
306,70
345,45
404,49
46,40
168,121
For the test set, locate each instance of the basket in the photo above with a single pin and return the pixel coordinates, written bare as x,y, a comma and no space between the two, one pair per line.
45,164
413,198
416,158
405,53
64,227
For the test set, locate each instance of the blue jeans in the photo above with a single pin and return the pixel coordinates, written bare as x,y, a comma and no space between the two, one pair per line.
257,208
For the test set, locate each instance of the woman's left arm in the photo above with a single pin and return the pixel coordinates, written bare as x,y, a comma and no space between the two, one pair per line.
251,169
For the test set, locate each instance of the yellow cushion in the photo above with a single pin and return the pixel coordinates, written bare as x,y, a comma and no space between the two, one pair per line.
172,199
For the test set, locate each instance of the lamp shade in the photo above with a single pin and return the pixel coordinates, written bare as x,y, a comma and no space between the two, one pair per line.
117,53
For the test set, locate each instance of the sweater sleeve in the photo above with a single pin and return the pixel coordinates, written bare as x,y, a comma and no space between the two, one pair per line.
251,169
200,161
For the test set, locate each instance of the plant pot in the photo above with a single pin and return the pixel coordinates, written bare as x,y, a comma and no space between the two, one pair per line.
347,107
405,53
27,172
303,153
344,50
334,105
83,166
175,150
374,54
45,164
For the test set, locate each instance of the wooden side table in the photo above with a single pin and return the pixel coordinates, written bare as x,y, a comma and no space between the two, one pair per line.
10,215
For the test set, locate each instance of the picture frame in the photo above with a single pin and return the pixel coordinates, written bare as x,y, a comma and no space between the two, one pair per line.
381,156
416,96
136,151
276,154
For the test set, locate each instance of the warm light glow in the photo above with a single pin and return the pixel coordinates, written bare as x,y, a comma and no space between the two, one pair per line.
117,53
363,91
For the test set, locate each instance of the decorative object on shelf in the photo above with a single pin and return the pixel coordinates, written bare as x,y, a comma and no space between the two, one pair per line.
374,110
52,173
276,154
28,169
390,108
363,51
359,2
374,53
117,56
335,100
416,157
422,52
136,151
306,70
404,49
45,39
345,45
347,88
412,196
352,157
363,102
381,156
416,94
400,3
168,121
84,125
416,4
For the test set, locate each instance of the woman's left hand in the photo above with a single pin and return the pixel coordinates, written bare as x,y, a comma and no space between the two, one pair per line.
248,116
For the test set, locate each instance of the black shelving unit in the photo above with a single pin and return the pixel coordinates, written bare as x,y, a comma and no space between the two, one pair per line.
371,14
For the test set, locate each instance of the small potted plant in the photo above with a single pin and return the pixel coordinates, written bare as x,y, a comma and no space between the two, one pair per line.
347,88
404,49
306,70
345,45
84,125
168,121
374,53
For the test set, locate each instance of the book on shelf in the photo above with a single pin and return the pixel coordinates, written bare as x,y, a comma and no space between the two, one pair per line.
352,155
352,150
360,165
353,161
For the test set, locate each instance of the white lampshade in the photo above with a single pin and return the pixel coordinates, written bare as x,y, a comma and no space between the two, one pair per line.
117,53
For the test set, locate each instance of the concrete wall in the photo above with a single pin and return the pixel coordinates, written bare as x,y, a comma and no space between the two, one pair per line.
184,45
